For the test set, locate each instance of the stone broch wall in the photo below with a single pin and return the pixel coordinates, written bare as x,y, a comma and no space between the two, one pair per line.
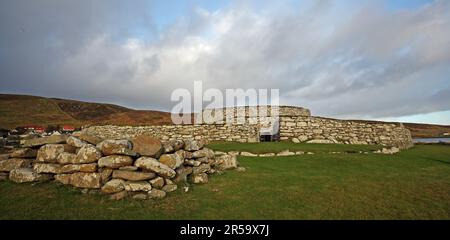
141,168
296,124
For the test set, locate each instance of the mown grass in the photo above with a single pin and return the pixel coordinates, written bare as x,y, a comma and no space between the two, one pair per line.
414,184
276,147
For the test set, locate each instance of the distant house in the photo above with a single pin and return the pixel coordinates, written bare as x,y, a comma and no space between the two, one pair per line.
446,134
35,128
68,129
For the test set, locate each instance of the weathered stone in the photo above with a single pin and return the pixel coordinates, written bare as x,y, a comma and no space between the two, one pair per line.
205,152
302,138
105,174
24,153
14,163
115,161
132,175
71,168
22,175
157,182
182,173
90,138
171,160
113,147
248,154
172,146
219,153
113,186
152,164
49,153
86,180
233,153
285,153
266,155
66,158
295,140
75,142
226,162
192,145
201,169
63,178
147,145
170,188
119,195
53,139
140,196
193,163
46,168
129,168
4,156
138,186
88,154
200,178
156,194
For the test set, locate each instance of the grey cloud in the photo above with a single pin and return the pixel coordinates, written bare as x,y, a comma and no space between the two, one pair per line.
368,62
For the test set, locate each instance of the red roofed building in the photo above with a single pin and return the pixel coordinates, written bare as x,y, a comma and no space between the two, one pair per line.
68,128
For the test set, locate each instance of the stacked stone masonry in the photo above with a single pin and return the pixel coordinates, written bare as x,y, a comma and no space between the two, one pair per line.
140,168
296,124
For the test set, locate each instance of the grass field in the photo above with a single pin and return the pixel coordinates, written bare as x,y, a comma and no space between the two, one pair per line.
414,184
276,147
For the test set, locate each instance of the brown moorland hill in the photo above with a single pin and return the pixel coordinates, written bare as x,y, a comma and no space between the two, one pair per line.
22,110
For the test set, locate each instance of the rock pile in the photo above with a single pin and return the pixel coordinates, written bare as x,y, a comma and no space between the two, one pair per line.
142,167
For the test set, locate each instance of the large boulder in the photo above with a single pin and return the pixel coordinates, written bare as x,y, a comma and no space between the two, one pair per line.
132,175
115,161
113,186
75,142
156,194
24,153
88,154
66,158
46,168
72,168
49,153
132,186
63,178
14,163
173,146
147,146
171,160
86,180
22,175
226,162
53,139
157,182
113,147
200,178
148,163
105,174
169,188
205,152
90,138
192,145
201,169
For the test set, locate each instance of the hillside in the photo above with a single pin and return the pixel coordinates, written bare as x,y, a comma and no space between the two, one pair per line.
21,110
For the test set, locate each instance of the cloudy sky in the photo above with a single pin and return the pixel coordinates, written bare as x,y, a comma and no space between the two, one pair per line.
375,59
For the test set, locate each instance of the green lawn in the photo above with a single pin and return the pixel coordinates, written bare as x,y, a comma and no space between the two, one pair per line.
414,184
276,147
